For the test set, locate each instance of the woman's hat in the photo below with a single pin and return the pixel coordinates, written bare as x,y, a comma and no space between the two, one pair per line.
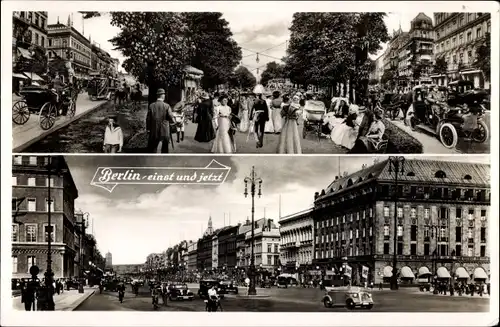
353,109
204,95
379,113
361,109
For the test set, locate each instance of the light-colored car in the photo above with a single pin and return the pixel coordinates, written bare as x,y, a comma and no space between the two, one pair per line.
349,296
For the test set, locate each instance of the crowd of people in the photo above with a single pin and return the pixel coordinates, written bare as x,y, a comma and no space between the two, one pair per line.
33,291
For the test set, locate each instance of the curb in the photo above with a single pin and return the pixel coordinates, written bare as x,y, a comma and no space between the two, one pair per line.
21,147
80,301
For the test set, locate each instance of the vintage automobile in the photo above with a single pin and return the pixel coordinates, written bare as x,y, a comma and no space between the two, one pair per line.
285,280
229,287
179,292
448,126
349,296
206,284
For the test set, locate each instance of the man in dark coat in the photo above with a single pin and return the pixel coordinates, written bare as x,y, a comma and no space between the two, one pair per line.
364,127
203,116
158,122
262,111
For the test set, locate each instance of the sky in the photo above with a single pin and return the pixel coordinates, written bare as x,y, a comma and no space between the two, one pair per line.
264,32
134,221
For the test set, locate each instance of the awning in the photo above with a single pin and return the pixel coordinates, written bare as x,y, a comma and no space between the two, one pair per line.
407,273
33,76
442,272
461,273
21,76
21,275
388,271
424,272
470,72
25,53
479,273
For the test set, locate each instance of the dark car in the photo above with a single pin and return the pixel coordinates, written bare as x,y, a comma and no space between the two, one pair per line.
229,287
179,292
206,284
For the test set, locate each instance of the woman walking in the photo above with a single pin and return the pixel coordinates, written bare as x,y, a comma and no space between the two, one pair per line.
223,142
244,115
276,112
289,141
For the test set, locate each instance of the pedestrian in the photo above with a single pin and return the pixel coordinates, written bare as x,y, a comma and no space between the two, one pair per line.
113,136
158,122
276,112
178,127
223,142
243,114
260,115
289,139
380,286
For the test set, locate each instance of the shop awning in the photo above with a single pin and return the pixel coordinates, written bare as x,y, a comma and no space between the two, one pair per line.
480,274
424,272
33,76
461,273
25,53
407,273
442,272
21,76
388,271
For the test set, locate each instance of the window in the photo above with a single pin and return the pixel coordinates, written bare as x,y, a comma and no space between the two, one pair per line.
470,233
18,160
14,264
470,216
31,261
469,36
458,250
52,234
470,250
400,212
350,234
371,231
269,248
36,38
15,233
400,230
51,203
427,249
14,180
427,213
483,235
413,212
413,233
479,33
413,249
357,233
483,214
483,251
458,213
31,231
31,181
386,248
32,160
458,234
386,211
400,248
269,260
386,230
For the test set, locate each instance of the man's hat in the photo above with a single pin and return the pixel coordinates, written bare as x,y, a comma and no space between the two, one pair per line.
112,116
160,92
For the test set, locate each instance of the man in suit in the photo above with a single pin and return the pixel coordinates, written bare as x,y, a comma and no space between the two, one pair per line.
158,122
262,111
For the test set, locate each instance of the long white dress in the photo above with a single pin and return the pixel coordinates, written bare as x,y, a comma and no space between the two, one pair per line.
269,127
244,124
344,135
222,142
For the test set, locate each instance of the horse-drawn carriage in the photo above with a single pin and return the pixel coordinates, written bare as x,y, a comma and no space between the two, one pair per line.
392,103
102,88
46,103
314,112
463,118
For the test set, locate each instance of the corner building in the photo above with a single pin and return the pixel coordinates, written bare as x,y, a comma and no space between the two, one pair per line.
442,222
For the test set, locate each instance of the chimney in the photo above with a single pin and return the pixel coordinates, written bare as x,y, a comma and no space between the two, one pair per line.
316,195
269,224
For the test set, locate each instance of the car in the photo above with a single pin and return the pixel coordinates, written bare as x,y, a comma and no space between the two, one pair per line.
349,296
206,284
179,292
229,287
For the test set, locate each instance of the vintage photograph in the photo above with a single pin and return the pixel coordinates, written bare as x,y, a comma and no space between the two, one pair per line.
251,234
248,82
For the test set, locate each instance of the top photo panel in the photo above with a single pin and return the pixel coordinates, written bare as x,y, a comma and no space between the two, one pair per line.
251,83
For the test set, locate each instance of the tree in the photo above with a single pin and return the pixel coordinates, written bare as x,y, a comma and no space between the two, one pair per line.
273,70
155,45
242,78
440,66
373,81
216,53
483,57
388,77
36,64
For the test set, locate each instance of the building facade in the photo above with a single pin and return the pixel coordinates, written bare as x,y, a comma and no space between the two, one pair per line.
458,36
241,259
297,234
68,43
128,270
109,260
215,250
204,257
30,28
30,213
192,256
227,247
442,215
266,245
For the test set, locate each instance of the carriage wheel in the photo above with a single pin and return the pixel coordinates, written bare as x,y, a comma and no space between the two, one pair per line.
47,116
71,109
20,112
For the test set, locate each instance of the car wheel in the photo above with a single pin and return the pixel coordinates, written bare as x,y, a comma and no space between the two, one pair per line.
369,306
350,304
448,135
481,134
327,303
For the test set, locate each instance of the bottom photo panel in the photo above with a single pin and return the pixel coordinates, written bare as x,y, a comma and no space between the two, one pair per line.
251,233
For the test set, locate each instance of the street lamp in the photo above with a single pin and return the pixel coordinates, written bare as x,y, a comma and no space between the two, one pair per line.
253,180
83,225
396,167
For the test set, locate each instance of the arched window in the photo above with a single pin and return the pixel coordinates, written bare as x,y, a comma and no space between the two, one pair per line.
440,174
370,175
340,187
349,182
467,177
360,179
323,192
410,173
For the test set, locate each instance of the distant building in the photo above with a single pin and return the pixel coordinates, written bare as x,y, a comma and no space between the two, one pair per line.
30,207
109,260
458,36
297,235
129,270
204,257
241,259
227,247
192,256
267,245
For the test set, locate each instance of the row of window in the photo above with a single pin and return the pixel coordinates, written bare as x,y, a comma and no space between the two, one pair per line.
269,260
34,18
441,234
271,248
31,233
31,261
343,235
366,249
29,204
457,22
442,250
32,181
443,213
30,160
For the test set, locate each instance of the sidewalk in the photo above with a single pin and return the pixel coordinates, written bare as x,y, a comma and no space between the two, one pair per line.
67,301
31,132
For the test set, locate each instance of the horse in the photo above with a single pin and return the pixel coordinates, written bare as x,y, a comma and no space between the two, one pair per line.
136,97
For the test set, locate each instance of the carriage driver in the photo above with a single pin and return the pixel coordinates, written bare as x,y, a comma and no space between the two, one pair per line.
436,100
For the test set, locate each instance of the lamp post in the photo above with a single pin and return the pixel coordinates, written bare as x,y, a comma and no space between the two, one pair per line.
253,180
83,225
396,167
434,229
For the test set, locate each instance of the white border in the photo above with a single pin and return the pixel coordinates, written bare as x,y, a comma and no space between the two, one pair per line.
13,318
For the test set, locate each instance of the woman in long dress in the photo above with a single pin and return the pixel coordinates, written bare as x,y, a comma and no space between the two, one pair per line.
276,112
244,124
269,127
289,141
346,133
223,142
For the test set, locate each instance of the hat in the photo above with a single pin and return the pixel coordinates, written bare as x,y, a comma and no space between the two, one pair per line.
379,113
160,92
259,89
112,116
353,109
204,95
361,109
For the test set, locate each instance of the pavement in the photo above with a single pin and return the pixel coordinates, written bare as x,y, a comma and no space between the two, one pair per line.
291,300
67,301
31,132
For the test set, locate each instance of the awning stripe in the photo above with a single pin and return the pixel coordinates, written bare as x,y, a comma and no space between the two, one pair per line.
442,272
479,273
407,273
461,273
